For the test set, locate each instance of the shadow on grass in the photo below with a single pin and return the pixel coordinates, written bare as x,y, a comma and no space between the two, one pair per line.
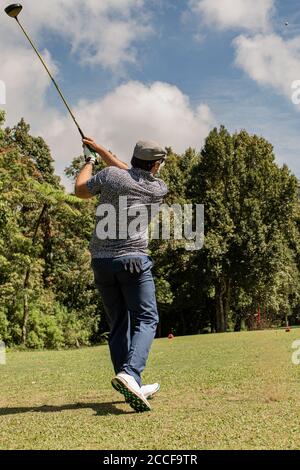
101,409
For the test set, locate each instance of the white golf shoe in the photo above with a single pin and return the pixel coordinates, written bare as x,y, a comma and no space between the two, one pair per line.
150,390
128,386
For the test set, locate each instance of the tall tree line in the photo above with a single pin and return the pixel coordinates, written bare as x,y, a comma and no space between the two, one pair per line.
249,262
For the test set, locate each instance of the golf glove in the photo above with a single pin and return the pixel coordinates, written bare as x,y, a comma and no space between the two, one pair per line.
89,155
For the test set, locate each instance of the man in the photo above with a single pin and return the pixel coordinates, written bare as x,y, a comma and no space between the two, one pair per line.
121,265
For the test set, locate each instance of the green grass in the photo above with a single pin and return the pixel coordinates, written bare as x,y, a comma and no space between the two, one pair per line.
230,391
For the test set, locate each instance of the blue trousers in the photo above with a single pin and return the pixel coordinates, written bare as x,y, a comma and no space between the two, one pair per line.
128,292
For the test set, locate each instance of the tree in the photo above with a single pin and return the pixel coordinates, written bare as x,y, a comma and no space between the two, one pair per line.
46,285
251,205
174,269
36,149
250,260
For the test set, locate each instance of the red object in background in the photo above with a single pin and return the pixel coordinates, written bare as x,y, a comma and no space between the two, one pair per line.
287,330
171,336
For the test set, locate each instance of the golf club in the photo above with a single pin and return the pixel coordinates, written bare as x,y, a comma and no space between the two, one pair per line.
13,11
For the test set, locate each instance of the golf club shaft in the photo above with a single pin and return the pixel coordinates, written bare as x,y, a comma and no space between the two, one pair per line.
53,81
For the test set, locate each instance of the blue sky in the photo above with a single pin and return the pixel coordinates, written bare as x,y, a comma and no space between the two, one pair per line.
186,66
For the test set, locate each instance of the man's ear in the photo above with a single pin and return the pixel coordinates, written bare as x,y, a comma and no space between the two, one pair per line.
155,168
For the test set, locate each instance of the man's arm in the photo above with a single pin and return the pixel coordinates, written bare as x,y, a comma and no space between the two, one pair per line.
81,189
107,157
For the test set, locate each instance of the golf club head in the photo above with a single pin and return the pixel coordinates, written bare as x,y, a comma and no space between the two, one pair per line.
13,10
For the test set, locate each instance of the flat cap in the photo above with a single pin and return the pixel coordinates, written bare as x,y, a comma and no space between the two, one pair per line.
149,151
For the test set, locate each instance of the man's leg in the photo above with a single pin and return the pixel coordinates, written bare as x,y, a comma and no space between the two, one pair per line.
139,293
116,312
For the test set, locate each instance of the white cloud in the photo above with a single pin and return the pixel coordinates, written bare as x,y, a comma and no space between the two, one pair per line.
98,32
26,84
235,14
157,111
266,57
133,111
270,60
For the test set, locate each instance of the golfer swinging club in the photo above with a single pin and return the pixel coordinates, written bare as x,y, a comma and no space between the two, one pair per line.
121,265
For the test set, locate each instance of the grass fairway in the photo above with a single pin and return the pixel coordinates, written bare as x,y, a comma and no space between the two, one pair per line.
238,391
